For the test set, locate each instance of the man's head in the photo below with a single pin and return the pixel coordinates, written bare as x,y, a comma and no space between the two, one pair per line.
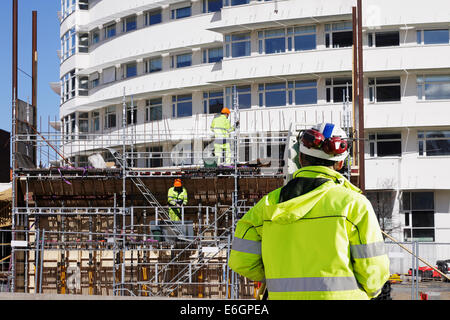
323,145
225,111
177,183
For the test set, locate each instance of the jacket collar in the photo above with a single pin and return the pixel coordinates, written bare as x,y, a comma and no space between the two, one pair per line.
327,173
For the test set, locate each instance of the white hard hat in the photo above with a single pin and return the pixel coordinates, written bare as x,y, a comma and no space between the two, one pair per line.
328,130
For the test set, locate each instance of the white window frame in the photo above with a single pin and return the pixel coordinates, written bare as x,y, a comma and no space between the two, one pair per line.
374,140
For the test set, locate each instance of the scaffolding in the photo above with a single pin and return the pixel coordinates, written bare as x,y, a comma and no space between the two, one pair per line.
103,228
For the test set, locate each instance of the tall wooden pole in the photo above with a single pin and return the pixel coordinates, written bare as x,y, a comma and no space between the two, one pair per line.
362,184
355,87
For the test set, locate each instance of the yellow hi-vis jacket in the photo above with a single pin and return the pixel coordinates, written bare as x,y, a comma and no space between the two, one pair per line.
222,128
315,238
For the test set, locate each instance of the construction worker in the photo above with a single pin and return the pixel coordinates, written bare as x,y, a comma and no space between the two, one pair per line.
222,128
177,197
318,236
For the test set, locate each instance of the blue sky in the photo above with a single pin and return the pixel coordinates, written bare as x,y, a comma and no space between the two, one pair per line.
48,64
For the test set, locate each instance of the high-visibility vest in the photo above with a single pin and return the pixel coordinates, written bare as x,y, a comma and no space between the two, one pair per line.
315,238
222,128
173,196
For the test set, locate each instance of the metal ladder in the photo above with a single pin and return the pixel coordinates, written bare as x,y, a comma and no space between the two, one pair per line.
152,201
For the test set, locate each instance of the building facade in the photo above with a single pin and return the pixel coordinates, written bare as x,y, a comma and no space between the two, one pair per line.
174,64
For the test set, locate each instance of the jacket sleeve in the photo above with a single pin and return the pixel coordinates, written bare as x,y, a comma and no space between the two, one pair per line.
185,197
367,248
171,198
245,256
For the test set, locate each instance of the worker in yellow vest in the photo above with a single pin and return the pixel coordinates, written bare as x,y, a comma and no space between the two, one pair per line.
317,237
221,126
177,197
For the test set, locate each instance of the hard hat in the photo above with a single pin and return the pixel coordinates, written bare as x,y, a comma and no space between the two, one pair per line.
225,110
177,183
324,141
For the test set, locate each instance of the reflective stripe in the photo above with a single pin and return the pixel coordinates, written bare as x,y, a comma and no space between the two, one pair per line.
247,246
370,250
311,284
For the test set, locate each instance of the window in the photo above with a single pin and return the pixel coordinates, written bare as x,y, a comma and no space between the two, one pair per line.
83,42
95,80
182,106
244,95
153,110
131,70
110,31
384,39
68,84
336,89
67,7
212,102
435,87
338,35
384,89
129,24
212,55
83,86
212,5
83,124
154,158
305,92
385,144
383,204
272,94
418,208
272,41
95,120
95,36
131,114
153,17
68,44
153,65
83,4
181,13
239,45
304,38
235,2
434,143
182,60
109,75
437,36
110,117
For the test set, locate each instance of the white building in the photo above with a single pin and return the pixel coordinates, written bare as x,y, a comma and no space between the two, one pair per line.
290,60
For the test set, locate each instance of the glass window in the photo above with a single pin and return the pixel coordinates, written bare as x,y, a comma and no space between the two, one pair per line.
273,94
182,106
68,44
153,17
434,143
153,110
110,31
418,208
338,89
181,13
110,117
131,70
153,65
212,102
385,145
438,36
130,24
239,2
212,5
212,55
239,43
95,118
275,41
244,96
305,38
384,89
436,87
384,39
339,35
184,60
305,92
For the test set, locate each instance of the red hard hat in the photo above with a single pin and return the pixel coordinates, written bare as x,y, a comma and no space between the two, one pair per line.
177,183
